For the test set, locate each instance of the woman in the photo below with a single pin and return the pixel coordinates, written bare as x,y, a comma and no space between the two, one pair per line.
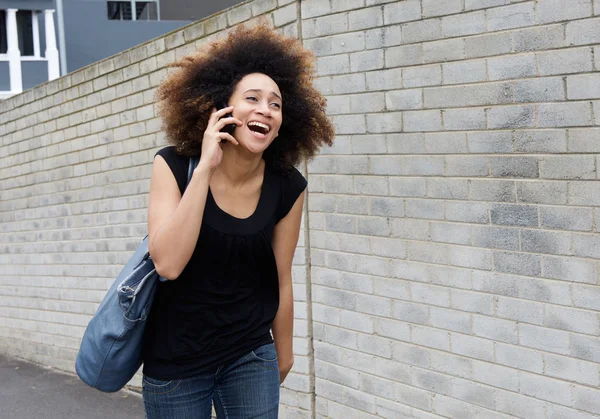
227,240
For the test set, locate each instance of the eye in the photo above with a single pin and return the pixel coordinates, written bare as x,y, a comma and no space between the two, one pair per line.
277,105
252,98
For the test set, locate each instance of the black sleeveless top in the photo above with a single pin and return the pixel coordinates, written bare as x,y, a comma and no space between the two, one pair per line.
223,303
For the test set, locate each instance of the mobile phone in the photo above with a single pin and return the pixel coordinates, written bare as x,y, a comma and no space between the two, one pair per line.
230,127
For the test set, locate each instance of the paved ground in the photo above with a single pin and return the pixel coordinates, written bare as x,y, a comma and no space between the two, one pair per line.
30,391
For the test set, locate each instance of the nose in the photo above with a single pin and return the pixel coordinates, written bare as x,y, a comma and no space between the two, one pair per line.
263,108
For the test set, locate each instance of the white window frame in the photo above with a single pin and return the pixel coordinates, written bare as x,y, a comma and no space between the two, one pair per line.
133,8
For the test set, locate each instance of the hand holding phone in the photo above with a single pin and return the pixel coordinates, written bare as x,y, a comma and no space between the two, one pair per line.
230,127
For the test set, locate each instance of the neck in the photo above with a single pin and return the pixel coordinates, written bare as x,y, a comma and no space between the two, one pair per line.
238,166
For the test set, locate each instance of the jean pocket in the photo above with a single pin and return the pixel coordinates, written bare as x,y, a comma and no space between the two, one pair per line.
265,353
155,386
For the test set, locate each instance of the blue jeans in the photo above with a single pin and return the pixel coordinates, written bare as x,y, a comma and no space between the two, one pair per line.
246,388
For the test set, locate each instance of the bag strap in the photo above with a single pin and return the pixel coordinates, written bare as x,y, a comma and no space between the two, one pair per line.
193,163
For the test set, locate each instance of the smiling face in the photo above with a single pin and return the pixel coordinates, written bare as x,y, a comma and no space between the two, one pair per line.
256,102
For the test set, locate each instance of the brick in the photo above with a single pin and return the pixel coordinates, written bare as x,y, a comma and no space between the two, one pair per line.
523,311
410,229
402,11
471,258
383,37
445,50
366,60
543,141
408,187
464,72
411,354
326,25
446,143
586,347
572,60
523,167
349,124
433,8
340,6
512,67
464,119
496,238
540,192
367,102
431,338
472,302
495,283
419,208
586,297
571,369
583,86
349,83
384,122
545,242
422,76
472,347
545,339
423,30
450,320
568,167
369,144
404,55
473,95
572,320
314,8
584,140
387,207
515,116
571,269
518,357
496,375
517,263
335,64
365,18
417,121
538,38
583,32
464,24
564,114
451,233
384,79
554,11
488,44
584,193
540,90
545,388
561,218
509,17
492,190
586,399
404,99
490,142
447,189
414,313
474,393
471,166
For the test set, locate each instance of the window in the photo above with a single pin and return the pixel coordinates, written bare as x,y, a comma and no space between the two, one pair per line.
3,34
24,32
122,10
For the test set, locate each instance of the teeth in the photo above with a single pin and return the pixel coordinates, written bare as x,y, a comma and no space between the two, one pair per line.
259,124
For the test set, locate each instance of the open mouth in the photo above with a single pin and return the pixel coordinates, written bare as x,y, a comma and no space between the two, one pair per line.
259,128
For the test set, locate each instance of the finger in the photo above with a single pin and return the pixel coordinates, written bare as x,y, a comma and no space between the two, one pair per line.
227,121
227,137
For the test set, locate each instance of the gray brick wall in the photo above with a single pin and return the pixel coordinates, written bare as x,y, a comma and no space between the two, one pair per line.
449,261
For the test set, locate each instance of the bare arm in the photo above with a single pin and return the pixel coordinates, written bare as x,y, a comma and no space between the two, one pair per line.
174,221
285,239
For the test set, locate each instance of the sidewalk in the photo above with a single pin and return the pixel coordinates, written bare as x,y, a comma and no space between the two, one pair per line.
30,391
